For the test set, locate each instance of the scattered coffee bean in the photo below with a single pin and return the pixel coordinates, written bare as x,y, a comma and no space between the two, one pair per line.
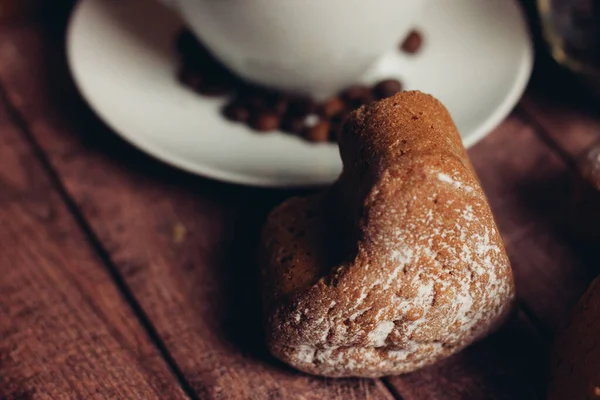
236,112
356,92
387,88
331,107
363,102
279,105
412,43
294,125
257,98
264,122
318,133
357,95
368,100
264,109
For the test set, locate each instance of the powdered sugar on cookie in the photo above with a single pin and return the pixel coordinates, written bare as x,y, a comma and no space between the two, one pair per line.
427,273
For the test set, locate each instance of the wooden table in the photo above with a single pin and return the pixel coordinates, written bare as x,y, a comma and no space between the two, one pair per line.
123,278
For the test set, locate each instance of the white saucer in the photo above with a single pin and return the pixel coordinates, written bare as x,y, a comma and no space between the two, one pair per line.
477,58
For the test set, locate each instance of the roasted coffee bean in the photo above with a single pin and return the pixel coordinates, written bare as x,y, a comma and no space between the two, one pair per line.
255,102
279,105
412,43
357,95
387,88
331,107
264,121
318,133
294,125
366,101
236,112
353,105
356,92
264,109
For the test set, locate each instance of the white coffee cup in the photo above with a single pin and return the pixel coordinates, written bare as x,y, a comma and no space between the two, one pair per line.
316,47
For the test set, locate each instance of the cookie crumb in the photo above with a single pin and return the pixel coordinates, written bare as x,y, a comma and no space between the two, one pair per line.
179,233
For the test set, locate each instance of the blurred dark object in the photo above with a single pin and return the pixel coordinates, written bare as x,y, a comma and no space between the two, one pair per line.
20,10
11,10
572,30
589,166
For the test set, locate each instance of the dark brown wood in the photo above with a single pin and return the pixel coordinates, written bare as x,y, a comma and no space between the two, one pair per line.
508,365
573,129
65,329
531,192
564,111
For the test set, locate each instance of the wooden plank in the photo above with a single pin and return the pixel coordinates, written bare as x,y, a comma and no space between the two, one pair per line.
65,330
573,129
531,194
183,245
564,113
509,364
563,107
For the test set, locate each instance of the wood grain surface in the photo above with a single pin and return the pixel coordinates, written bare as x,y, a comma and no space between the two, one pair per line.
66,331
157,263
508,365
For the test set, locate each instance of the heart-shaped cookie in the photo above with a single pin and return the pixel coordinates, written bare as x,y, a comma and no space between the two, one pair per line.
398,264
